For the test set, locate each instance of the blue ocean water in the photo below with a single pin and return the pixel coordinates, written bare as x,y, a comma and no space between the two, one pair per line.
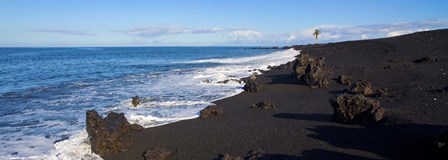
44,92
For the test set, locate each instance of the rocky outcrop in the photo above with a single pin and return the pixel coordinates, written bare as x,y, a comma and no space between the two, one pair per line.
252,86
106,135
362,87
157,154
266,105
210,111
255,155
136,101
227,81
384,92
311,71
357,109
344,80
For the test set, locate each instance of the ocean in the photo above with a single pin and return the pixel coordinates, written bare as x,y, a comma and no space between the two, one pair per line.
45,92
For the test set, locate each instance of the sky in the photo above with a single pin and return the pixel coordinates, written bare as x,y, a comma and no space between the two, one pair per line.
89,23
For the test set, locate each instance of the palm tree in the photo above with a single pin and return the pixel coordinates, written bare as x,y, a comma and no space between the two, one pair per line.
316,33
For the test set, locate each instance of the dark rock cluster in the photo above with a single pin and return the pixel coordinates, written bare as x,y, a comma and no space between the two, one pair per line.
344,80
252,85
311,71
357,109
210,111
362,87
106,135
266,105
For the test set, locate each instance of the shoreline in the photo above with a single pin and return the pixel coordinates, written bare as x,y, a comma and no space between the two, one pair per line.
303,127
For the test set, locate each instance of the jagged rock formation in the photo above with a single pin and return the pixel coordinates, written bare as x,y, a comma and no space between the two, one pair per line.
252,85
357,109
311,71
363,88
266,105
210,111
136,101
106,135
344,80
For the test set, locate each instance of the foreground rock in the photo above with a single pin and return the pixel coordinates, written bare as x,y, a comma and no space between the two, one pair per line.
357,109
106,135
252,85
363,88
210,111
157,154
136,101
266,105
344,80
311,71
227,81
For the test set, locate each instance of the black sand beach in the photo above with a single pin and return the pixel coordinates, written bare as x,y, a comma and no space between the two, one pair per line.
303,126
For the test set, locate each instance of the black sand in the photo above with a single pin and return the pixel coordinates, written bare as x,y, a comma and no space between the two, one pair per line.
303,127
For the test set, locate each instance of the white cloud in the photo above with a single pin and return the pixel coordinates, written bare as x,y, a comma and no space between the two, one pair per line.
245,35
397,33
231,35
364,36
64,31
157,31
349,32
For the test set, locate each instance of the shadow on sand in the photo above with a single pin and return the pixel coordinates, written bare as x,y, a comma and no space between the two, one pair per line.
391,141
307,117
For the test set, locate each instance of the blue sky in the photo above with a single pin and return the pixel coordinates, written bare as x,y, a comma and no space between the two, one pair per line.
210,22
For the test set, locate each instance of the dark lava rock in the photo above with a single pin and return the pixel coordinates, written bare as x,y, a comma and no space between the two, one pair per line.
311,71
252,86
136,101
229,81
206,81
344,80
209,111
362,87
384,92
426,59
106,135
266,104
256,155
157,154
357,109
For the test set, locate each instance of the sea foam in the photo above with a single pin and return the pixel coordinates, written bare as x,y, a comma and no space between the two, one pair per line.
167,97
